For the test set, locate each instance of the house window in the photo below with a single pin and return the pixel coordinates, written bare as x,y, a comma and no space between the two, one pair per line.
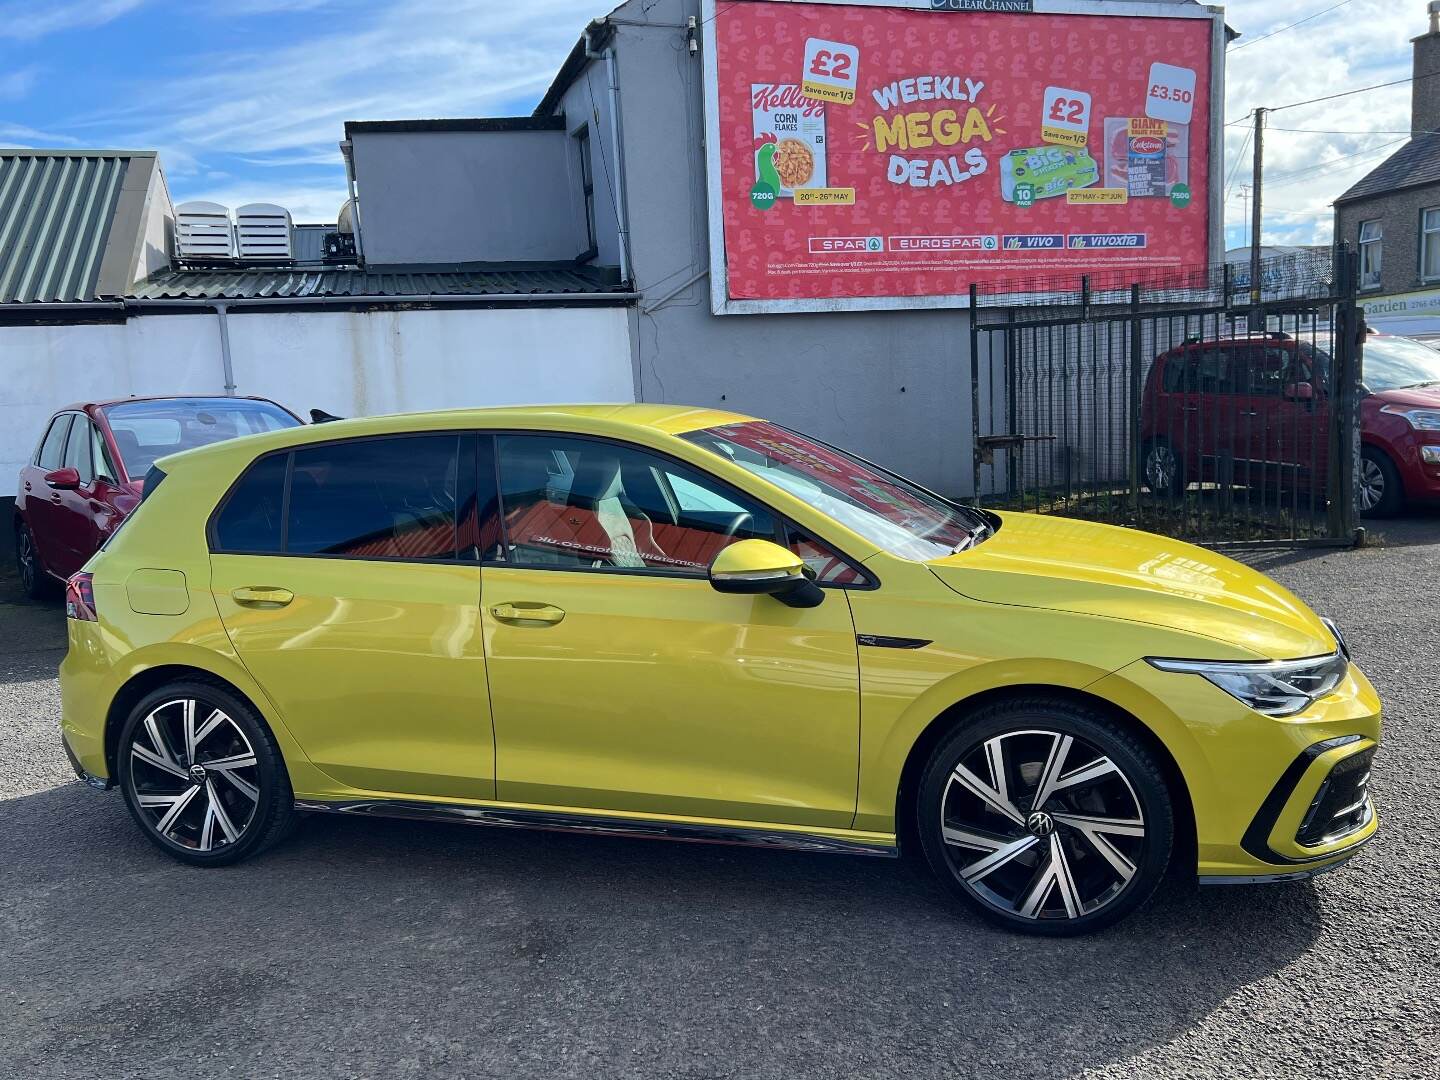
587,185
1370,237
1430,244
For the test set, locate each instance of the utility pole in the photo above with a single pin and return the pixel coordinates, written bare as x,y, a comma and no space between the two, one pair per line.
1256,319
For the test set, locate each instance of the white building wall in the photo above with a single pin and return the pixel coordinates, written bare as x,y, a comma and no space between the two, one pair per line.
348,363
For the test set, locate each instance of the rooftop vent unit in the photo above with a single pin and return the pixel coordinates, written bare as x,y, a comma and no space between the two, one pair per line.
263,231
203,232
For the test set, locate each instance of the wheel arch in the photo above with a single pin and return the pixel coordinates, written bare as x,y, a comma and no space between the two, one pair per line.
1186,852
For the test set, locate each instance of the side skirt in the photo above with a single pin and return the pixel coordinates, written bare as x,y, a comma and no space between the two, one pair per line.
610,826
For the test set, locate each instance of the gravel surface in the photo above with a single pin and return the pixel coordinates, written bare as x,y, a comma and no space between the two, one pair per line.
396,949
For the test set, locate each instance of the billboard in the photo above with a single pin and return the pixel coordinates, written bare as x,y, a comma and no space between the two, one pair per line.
878,155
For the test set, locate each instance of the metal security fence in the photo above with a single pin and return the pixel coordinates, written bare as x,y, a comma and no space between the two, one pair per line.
1182,403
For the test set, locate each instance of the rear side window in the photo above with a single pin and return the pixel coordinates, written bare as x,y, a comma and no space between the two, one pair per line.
52,449
250,520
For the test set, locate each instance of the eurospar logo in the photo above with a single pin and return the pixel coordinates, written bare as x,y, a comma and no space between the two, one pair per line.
1107,240
944,243
821,245
1033,241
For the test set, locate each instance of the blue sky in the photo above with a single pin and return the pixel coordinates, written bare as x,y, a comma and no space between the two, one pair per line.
246,100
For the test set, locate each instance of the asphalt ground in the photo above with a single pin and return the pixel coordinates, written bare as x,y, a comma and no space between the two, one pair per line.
400,949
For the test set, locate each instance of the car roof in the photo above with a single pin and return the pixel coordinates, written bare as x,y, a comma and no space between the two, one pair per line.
607,419
86,406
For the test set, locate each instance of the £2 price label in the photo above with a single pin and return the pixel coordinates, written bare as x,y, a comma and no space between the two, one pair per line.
832,70
1065,116
1170,96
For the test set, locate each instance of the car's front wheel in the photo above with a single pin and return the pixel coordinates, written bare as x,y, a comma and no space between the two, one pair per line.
1046,816
1162,470
1381,493
34,581
202,775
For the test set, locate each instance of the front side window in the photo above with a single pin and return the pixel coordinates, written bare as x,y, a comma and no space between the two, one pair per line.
1371,235
145,431
586,504
887,510
104,468
77,451
1430,244
52,450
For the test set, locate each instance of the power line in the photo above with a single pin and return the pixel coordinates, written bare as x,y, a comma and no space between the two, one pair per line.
1332,97
1239,157
1299,22
1331,161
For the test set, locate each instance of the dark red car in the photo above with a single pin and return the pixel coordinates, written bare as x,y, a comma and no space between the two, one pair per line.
88,470
1256,410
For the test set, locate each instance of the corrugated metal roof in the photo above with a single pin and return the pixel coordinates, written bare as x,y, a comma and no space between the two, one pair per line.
287,284
1417,162
55,215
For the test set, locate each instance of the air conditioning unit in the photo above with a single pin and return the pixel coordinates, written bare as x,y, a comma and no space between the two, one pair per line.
203,232
339,247
263,232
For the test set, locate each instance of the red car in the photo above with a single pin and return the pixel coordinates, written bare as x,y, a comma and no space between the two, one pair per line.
1258,407
89,469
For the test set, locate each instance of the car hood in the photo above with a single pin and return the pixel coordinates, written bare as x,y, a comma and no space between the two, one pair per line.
1421,396
1078,566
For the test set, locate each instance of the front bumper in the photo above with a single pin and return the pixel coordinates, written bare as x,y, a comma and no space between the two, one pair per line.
1258,785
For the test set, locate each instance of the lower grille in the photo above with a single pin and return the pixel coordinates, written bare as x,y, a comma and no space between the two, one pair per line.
1342,805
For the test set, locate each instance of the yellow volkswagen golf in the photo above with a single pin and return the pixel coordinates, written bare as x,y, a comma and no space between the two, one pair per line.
666,621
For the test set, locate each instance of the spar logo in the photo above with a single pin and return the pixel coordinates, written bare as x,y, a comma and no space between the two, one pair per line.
1033,241
1107,240
822,245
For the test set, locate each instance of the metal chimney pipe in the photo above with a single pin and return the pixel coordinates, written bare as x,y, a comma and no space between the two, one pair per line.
1434,8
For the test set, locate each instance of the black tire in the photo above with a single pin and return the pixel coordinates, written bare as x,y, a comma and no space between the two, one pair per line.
35,583
1168,483
1377,471
271,809
1134,796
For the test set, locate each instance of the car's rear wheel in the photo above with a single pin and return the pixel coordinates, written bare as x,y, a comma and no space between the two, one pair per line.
1046,816
34,581
1162,469
202,775
1380,493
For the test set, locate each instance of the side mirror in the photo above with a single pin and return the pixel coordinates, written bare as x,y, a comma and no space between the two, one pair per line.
1300,391
760,566
66,479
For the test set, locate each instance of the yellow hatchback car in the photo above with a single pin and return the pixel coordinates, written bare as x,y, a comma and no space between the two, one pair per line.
667,621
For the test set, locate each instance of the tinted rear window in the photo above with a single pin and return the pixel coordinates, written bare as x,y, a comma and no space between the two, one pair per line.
147,430
250,519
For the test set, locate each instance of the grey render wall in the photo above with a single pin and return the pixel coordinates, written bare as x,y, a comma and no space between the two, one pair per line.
467,196
587,104
894,386
1399,214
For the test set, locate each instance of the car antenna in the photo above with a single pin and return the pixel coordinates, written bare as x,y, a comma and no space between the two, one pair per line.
320,416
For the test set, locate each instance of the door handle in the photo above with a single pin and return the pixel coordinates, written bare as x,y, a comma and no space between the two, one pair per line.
1190,408
27,485
523,612
55,497
262,596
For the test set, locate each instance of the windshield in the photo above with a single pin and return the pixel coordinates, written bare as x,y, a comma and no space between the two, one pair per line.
888,510
147,430
1390,363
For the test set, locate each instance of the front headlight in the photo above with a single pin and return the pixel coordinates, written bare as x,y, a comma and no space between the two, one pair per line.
1275,688
1419,419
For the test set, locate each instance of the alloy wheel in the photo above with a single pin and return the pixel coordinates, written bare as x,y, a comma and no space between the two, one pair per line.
25,558
1041,825
1372,484
194,774
1160,469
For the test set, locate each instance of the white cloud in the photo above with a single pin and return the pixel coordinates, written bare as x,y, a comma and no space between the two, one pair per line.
1364,43
16,84
26,20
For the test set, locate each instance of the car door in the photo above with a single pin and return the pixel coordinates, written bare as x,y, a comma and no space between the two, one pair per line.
1299,426
75,531
347,575
41,504
1251,392
621,681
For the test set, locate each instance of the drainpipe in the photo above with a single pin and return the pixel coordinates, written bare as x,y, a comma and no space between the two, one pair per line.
347,149
225,350
622,217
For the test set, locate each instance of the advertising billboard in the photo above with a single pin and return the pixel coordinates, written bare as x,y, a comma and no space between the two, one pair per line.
878,155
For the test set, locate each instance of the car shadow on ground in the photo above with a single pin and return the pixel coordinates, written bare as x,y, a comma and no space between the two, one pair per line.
538,947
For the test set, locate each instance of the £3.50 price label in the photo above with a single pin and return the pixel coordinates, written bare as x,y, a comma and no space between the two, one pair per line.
1065,116
1171,94
832,70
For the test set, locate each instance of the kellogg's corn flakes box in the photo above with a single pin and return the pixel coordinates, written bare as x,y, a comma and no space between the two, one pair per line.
789,137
